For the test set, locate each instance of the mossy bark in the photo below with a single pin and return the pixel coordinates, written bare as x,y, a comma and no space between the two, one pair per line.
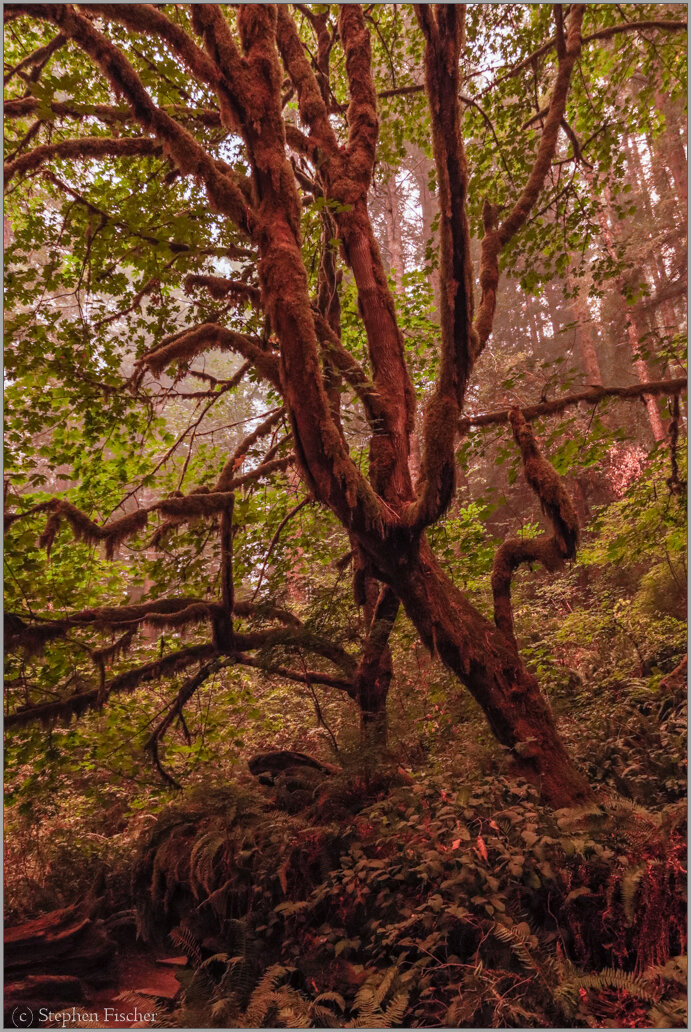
484,659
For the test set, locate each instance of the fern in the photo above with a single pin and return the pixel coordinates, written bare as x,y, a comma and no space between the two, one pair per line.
202,857
629,888
369,999
396,1009
263,996
188,943
611,978
512,938
331,998
672,1014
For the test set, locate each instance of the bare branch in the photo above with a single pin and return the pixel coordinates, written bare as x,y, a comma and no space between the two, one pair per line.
496,238
277,533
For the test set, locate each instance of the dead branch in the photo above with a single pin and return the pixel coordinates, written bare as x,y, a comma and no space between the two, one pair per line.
238,456
277,533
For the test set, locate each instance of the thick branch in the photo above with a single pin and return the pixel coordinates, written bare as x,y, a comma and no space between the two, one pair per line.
375,669
363,124
443,28
85,149
187,345
227,193
347,177
219,288
589,396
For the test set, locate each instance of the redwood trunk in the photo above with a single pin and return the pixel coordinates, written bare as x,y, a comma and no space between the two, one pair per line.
485,661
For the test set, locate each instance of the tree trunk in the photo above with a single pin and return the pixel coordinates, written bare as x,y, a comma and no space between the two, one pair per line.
393,231
670,147
488,665
374,672
632,330
584,334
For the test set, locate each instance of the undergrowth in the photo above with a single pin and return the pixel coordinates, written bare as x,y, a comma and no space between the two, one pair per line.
430,906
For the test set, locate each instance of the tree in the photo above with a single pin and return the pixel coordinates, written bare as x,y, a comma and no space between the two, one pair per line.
252,148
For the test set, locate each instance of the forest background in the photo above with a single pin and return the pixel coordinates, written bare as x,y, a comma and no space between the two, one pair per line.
219,531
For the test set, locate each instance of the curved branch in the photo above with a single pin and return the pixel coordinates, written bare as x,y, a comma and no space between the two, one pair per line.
48,712
185,346
188,689
496,238
37,57
226,191
550,550
307,677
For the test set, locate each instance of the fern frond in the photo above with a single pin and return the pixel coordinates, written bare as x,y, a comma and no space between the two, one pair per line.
188,943
263,996
516,942
331,997
611,978
629,888
396,1009
380,993
671,1014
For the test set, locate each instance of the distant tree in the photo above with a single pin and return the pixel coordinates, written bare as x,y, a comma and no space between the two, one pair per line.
229,155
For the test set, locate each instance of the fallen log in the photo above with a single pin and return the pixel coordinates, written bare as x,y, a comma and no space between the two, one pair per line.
281,760
48,959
